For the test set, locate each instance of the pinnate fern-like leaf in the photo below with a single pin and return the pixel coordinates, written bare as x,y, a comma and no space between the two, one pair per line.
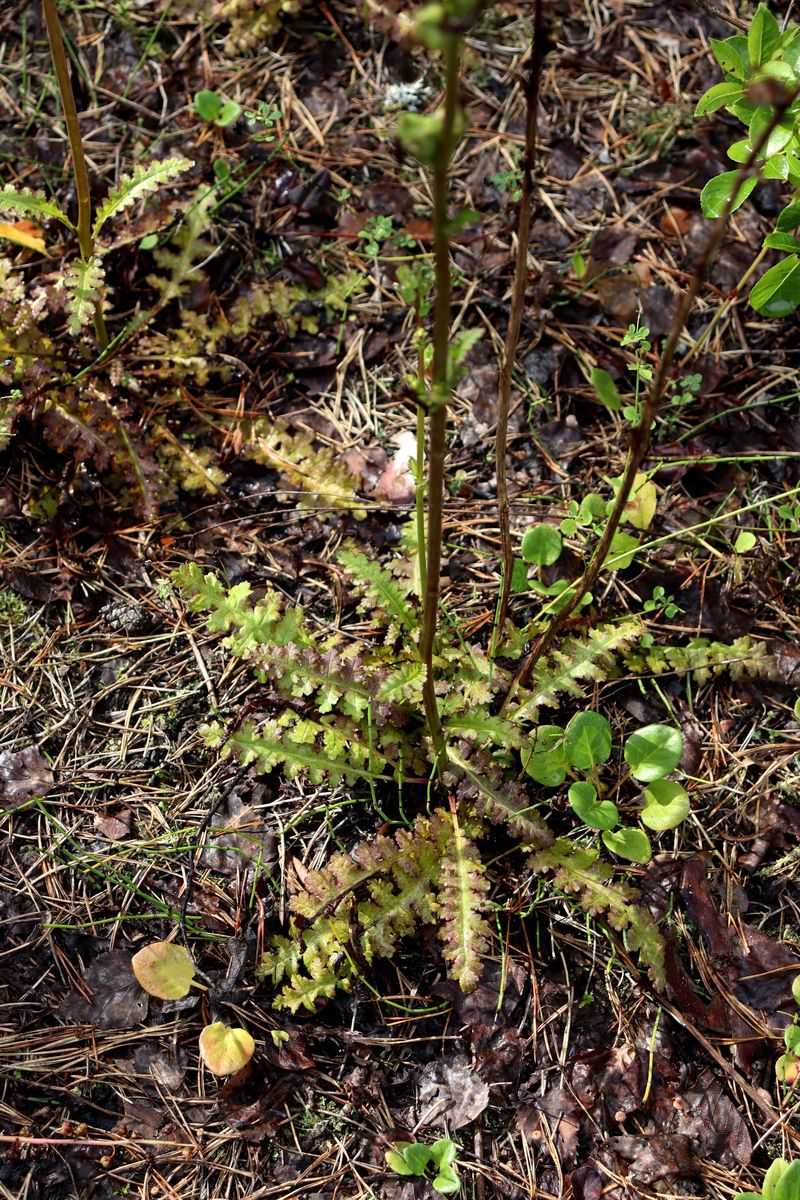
463,901
578,871
23,202
379,894
83,281
143,181
379,590
578,661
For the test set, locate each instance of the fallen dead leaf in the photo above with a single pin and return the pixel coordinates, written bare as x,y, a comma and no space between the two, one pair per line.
23,774
451,1094
117,1000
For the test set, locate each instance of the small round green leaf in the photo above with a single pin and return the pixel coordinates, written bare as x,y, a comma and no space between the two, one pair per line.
775,1172
744,542
654,751
148,241
796,989
791,1037
224,1050
547,762
542,545
447,1182
621,552
787,1068
207,105
417,1156
597,814
444,1152
666,804
632,844
395,1159
587,740
228,113
164,970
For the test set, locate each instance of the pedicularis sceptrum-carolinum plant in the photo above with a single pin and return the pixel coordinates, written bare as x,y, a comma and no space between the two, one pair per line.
414,709
762,71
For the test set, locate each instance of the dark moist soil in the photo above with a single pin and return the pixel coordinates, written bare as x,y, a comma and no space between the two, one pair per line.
562,1073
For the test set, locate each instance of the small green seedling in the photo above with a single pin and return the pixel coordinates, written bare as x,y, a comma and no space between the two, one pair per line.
267,116
376,231
215,109
582,748
781,1182
660,602
167,972
509,180
436,1163
761,71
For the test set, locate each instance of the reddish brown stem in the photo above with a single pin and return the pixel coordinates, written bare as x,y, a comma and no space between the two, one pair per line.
539,47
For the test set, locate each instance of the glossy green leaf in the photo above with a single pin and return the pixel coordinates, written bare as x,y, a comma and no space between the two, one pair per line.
762,36
782,241
791,1038
796,989
632,844
542,545
777,292
228,113
789,218
728,56
605,389
718,96
666,804
714,195
547,763
776,167
519,577
597,814
587,740
417,1156
778,137
653,751
740,151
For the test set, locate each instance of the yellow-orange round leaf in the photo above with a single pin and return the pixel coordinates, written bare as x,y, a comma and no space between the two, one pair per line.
164,970
224,1050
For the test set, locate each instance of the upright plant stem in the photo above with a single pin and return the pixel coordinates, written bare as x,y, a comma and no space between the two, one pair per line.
420,493
539,47
440,395
640,435
61,66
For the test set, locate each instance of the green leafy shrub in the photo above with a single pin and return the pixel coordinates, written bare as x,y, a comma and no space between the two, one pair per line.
761,71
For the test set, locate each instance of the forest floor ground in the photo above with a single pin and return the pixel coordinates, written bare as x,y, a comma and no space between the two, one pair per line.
563,1073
